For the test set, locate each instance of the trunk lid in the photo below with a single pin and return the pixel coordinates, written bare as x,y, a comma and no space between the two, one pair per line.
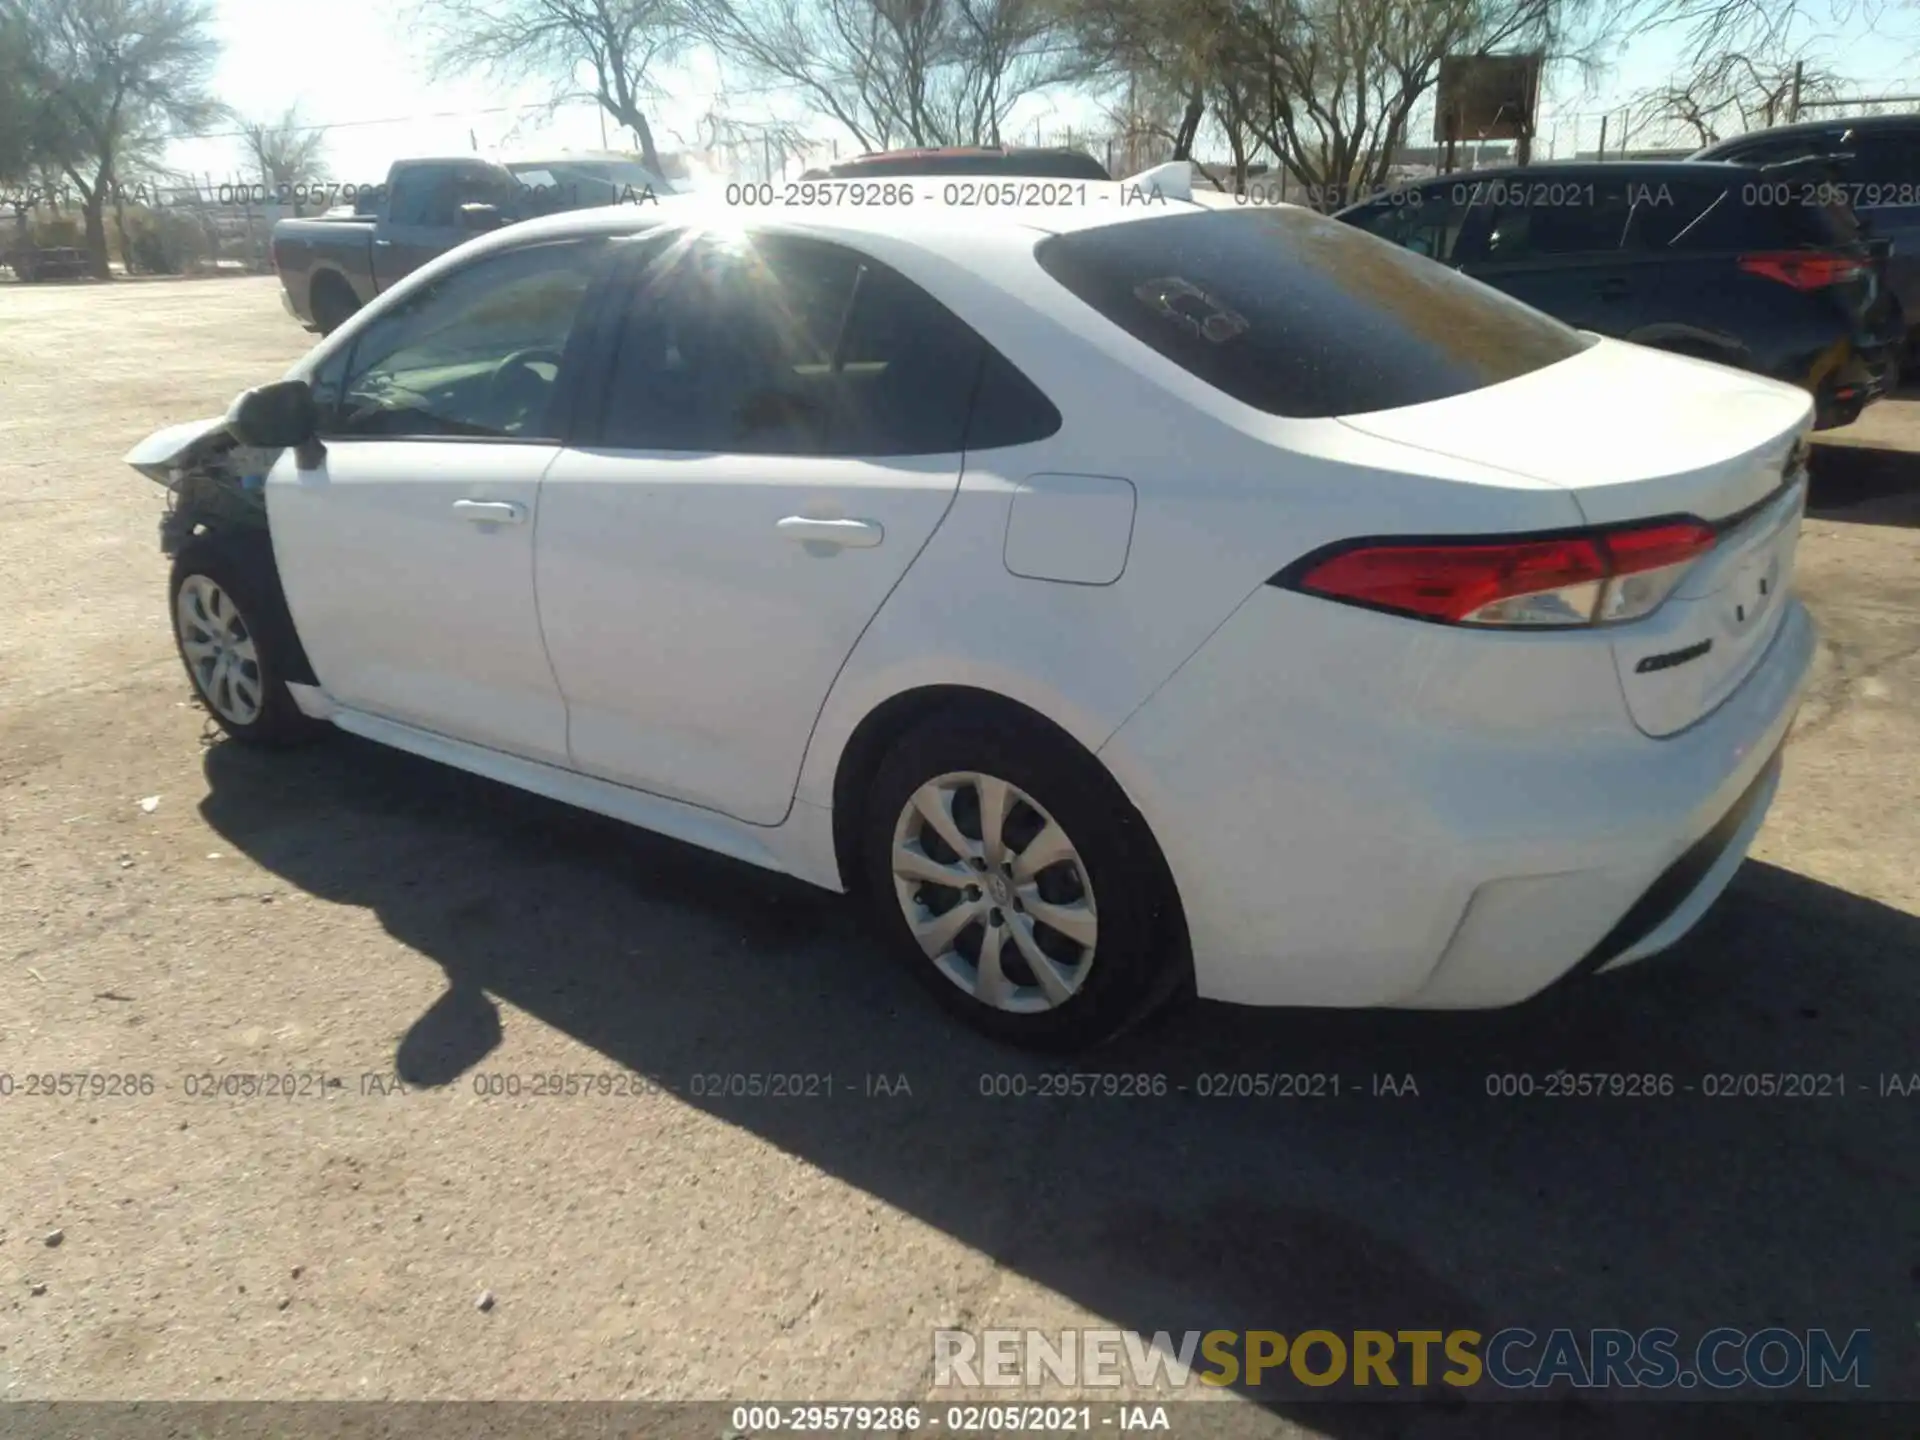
1634,434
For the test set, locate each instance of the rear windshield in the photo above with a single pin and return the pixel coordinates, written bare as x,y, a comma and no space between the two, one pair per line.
1762,209
1302,316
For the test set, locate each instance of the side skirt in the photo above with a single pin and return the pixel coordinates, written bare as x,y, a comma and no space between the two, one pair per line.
801,847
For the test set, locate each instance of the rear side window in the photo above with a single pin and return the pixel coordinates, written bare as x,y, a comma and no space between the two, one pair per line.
433,194
1549,218
1302,316
786,346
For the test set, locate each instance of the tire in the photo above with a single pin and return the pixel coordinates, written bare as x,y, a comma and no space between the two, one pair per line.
1113,886
224,600
333,303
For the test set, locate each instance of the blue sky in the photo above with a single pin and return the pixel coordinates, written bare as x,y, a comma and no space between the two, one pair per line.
352,63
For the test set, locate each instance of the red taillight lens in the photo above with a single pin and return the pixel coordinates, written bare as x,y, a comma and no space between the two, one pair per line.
1804,270
1584,579
1454,582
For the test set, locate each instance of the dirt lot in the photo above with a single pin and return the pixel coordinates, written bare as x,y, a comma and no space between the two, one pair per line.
347,912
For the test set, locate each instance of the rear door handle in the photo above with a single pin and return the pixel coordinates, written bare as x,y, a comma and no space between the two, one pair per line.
1613,287
840,534
490,512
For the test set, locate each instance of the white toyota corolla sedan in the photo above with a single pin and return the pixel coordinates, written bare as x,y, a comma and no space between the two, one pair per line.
1125,594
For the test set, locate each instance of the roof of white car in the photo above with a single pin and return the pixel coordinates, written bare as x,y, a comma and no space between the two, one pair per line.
939,207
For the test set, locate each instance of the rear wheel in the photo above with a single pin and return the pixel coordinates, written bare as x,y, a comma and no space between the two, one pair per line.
237,641
1014,878
333,303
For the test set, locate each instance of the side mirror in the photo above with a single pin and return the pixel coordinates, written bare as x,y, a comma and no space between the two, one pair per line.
274,417
476,217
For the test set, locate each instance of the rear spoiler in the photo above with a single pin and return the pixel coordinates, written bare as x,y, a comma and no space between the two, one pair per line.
1831,163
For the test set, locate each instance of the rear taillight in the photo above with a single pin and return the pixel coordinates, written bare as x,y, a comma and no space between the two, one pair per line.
1805,269
1593,578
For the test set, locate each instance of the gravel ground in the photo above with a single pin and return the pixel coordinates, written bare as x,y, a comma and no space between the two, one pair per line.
176,908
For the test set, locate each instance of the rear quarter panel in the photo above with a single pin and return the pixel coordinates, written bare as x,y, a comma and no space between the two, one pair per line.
1225,497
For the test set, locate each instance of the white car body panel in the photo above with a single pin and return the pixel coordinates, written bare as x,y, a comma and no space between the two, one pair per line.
693,640
1357,808
408,609
170,446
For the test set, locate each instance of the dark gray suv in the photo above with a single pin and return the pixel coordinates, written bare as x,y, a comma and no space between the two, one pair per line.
1875,164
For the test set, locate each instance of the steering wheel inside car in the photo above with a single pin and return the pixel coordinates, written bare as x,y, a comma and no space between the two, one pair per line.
518,389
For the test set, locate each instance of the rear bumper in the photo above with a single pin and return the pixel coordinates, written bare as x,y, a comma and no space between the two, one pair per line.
1686,889
1520,935
1869,371
1389,848
1843,400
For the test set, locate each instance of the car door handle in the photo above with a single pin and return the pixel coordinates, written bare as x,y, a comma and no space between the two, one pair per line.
490,512
1612,288
383,243
842,534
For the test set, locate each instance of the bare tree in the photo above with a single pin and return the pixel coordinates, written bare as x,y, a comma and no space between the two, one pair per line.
892,72
620,41
1730,93
1329,86
118,75
1169,50
286,153
747,145
1711,28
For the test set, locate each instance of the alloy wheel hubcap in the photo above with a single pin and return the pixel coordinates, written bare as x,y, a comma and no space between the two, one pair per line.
995,893
218,644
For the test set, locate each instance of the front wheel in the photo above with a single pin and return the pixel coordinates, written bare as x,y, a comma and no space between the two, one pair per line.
1018,883
237,641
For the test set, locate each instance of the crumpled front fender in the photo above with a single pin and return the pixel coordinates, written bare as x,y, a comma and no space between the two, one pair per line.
173,448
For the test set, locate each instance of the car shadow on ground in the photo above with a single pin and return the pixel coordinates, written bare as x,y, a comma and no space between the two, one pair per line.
1453,1207
1865,485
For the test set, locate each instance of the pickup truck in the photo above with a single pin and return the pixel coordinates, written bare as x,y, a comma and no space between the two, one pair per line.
331,265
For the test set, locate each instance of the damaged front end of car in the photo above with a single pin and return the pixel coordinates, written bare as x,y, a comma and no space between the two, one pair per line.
216,470
212,480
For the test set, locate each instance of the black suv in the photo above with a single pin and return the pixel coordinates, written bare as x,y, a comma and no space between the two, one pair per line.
1874,166
1031,162
1717,261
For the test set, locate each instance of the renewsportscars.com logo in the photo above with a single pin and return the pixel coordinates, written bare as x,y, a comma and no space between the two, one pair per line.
1511,1359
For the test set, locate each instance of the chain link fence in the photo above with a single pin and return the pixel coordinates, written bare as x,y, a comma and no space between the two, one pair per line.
151,228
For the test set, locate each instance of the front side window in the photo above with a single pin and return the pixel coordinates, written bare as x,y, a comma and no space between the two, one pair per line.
476,354
786,346
1300,315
